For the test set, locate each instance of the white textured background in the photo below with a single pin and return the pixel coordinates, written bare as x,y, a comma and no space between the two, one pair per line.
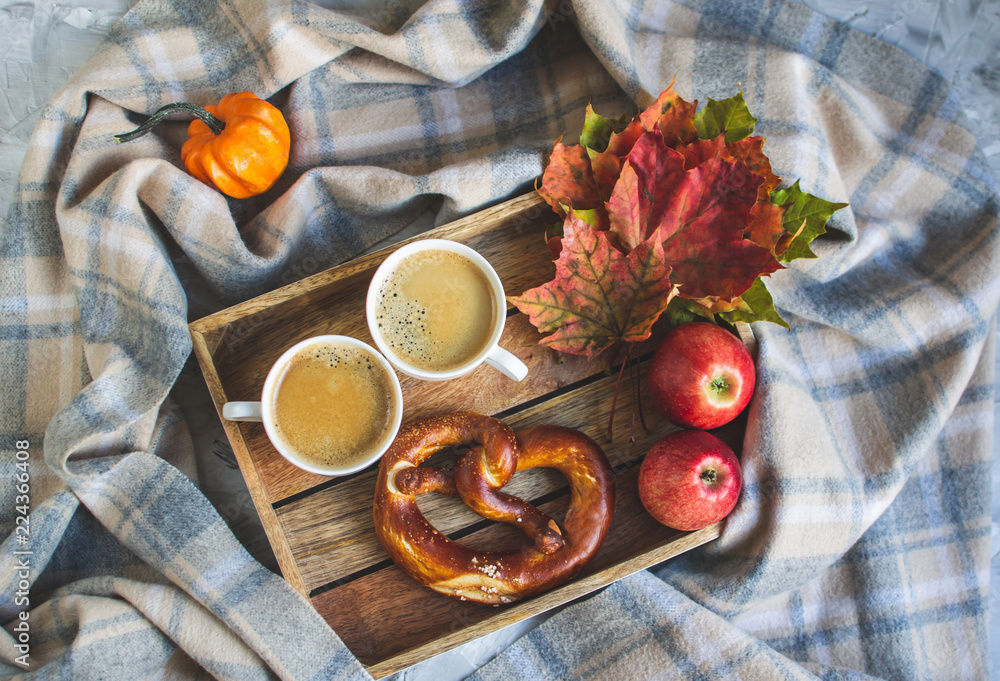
44,43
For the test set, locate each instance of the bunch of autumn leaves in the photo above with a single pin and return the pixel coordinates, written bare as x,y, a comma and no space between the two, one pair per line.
676,210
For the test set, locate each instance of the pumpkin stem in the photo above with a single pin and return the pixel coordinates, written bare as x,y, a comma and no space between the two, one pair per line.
215,124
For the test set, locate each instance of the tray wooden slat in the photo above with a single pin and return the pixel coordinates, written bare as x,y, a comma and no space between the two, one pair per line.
321,529
437,625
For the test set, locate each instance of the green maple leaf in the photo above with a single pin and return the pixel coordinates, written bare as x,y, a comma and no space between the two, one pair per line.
730,116
761,307
597,129
801,207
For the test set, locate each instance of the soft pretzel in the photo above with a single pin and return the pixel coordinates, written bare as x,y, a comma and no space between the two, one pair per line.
492,577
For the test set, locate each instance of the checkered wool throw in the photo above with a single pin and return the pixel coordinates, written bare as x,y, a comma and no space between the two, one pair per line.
860,546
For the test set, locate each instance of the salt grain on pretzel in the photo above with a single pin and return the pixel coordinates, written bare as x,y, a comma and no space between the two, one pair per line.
492,577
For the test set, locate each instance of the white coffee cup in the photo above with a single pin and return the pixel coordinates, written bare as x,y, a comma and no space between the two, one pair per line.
264,411
490,351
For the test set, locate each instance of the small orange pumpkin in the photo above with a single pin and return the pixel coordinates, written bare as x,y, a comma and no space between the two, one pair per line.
238,146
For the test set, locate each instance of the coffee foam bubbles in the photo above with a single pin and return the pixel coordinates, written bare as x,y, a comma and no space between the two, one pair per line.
333,404
436,310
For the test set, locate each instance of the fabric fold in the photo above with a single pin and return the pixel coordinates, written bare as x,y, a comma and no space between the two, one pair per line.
861,543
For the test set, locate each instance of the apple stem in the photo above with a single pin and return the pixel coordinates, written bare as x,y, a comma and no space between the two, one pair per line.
708,475
719,385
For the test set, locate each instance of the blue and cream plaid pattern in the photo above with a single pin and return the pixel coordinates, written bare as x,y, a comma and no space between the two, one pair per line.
860,546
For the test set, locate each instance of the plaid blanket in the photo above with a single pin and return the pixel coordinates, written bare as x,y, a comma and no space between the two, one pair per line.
860,546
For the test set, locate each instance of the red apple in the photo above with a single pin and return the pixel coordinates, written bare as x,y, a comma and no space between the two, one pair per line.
701,376
689,480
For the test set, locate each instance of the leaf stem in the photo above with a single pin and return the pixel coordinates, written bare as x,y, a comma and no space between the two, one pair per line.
614,399
632,394
638,398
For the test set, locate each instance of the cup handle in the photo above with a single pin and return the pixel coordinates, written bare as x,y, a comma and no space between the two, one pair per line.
242,411
507,364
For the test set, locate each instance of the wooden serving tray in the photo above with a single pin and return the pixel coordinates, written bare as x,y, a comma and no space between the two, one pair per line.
321,528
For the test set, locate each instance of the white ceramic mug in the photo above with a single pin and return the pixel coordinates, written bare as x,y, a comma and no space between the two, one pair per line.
263,411
492,353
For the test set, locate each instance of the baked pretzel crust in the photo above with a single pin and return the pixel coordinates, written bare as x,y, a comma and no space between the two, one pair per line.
492,577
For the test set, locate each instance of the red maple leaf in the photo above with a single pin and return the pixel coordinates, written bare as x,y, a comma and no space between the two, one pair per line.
600,296
672,117
568,180
701,215
701,182
750,150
